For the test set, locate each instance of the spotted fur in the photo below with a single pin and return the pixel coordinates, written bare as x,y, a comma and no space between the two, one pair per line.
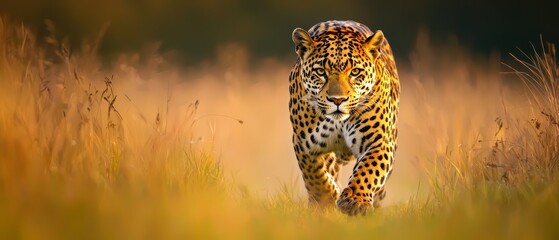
344,105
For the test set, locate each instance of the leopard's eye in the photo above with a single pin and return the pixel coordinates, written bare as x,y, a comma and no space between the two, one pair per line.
355,72
320,71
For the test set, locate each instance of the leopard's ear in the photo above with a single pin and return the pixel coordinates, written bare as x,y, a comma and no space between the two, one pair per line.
303,42
373,43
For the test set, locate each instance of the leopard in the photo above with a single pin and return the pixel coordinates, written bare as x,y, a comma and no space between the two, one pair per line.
344,100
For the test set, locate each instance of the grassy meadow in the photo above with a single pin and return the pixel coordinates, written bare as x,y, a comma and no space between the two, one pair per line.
142,148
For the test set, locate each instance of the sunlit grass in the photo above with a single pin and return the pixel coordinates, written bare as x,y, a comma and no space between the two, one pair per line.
83,155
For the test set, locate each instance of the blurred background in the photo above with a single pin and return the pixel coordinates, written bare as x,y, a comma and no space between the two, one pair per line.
234,58
195,29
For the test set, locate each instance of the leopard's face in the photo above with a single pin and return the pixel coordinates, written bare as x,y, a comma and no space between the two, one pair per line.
336,81
337,70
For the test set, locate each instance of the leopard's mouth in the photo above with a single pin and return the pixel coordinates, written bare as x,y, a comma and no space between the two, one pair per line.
338,112
338,115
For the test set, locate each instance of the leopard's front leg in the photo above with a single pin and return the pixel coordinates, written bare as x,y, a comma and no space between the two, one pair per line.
366,182
321,185
374,144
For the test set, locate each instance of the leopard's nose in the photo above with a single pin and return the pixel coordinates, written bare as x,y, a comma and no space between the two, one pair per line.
337,100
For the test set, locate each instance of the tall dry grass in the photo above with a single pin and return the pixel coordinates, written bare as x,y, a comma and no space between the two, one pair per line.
141,148
500,176
75,149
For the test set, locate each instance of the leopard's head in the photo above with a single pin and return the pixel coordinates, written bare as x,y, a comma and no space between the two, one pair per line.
337,67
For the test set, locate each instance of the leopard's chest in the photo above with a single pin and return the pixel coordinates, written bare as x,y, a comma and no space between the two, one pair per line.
325,136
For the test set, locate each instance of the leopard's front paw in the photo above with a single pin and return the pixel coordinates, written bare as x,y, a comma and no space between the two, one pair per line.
353,204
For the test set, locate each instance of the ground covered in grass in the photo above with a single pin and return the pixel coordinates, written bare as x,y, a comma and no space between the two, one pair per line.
83,154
